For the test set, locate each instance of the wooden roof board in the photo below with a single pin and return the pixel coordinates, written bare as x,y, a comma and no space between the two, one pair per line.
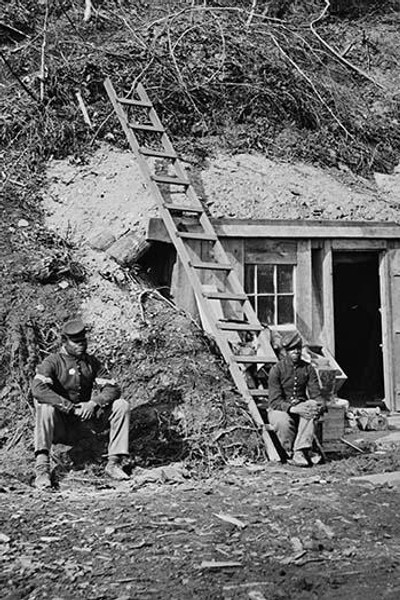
269,228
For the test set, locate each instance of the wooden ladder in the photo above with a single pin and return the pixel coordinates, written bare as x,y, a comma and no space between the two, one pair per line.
224,304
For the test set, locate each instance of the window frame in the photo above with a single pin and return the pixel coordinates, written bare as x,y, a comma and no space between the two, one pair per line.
255,295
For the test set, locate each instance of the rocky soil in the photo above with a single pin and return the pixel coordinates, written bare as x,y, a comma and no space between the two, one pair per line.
248,532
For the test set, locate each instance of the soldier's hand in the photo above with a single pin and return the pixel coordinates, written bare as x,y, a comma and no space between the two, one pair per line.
308,410
313,406
85,410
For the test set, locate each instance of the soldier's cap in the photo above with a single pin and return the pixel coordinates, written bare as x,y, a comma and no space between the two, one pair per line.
292,340
75,330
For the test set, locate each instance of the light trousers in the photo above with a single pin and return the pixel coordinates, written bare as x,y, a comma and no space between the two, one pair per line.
56,427
294,432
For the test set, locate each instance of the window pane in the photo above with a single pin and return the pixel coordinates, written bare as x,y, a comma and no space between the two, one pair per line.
285,278
285,310
249,279
266,310
265,279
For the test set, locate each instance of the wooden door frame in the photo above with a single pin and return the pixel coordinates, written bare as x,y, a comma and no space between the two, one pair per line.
328,330
387,326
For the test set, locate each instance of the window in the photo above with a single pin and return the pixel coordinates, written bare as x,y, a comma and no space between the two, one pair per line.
270,289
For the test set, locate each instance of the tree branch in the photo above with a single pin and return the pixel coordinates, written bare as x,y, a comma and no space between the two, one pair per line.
339,57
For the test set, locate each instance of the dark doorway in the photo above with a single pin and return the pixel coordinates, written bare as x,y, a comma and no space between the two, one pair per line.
358,328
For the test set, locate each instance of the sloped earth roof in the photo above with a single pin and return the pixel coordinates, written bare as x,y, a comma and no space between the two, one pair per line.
254,187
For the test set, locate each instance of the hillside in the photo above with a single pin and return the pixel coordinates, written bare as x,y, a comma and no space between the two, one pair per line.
240,85
278,108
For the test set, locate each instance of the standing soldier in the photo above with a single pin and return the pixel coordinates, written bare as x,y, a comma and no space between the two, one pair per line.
71,387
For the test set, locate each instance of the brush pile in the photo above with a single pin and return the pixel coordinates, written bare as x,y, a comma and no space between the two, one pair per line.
268,76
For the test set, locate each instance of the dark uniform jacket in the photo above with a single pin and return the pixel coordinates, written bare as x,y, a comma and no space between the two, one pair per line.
288,384
63,380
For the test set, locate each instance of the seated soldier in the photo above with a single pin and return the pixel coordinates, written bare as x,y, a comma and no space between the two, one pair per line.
294,402
63,391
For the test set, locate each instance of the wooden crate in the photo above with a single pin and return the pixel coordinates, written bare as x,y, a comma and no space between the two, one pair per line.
333,422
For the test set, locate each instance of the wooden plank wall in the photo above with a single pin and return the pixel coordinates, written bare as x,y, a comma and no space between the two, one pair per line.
304,317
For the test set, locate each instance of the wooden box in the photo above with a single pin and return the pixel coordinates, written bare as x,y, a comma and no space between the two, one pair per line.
333,423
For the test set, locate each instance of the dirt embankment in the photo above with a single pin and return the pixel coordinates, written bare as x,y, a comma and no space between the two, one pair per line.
107,195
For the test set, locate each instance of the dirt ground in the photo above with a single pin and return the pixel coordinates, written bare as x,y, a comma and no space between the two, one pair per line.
248,532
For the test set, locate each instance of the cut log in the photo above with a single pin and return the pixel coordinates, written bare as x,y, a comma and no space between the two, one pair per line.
127,250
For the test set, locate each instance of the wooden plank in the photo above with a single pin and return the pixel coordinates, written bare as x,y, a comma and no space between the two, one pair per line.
234,326
133,102
285,230
255,358
170,180
184,208
158,153
328,321
234,249
357,245
259,393
394,265
265,228
262,251
303,296
197,235
215,295
211,266
317,288
387,335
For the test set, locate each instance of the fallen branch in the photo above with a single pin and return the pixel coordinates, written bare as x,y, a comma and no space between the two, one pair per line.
42,59
228,431
24,87
339,57
84,110
88,11
252,11
351,445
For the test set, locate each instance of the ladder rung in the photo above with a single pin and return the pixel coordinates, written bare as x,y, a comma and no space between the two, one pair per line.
269,427
184,208
225,296
158,153
234,326
197,235
144,131
252,358
169,179
213,266
259,393
132,102
144,127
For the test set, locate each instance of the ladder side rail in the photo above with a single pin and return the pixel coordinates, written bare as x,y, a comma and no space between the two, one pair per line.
168,146
232,277
182,251
155,120
165,214
241,385
132,140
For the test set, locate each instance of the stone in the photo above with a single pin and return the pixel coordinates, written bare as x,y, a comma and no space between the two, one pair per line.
101,240
391,479
389,441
